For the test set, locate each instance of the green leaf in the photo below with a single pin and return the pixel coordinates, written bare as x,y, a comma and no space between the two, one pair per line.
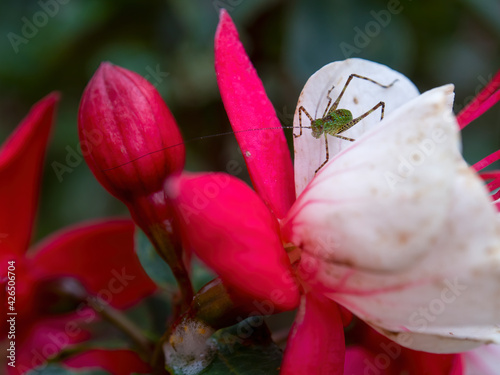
152,263
54,369
150,315
201,275
160,272
243,349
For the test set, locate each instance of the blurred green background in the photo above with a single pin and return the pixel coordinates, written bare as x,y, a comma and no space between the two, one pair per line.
171,43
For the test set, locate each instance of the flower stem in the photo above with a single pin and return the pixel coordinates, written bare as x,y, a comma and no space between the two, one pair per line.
172,254
125,325
154,216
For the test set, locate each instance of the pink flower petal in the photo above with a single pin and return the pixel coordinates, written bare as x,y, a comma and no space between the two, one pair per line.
482,361
101,256
481,103
316,341
385,361
46,339
417,363
116,362
21,164
360,361
229,227
251,115
375,354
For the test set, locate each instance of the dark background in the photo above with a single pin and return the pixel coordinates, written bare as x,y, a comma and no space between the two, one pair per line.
432,42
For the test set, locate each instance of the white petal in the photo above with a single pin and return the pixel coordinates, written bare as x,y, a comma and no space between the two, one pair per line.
401,231
482,361
360,96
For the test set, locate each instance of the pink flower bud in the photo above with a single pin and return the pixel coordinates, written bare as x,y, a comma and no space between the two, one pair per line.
128,135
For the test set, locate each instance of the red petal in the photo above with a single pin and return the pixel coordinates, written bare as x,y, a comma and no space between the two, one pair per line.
116,362
494,176
101,256
248,108
45,340
488,160
419,363
21,164
316,342
481,103
346,315
229,227
359,361
388,358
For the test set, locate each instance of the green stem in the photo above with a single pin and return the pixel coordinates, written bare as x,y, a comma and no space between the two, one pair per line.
153,214
124,324
172,255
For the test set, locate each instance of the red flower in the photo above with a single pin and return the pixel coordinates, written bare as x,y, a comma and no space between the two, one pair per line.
225,224
99,255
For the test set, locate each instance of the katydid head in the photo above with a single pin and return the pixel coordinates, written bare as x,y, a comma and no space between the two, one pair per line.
317,127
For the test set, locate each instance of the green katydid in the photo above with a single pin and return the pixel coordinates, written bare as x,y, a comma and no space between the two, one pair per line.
336,121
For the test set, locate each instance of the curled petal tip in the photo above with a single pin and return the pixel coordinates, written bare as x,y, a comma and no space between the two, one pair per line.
223,14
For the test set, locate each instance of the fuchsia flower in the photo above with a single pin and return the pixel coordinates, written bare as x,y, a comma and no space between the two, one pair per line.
396,227
98,254
242,245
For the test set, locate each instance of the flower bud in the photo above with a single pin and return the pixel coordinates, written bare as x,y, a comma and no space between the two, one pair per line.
131,143
128,135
